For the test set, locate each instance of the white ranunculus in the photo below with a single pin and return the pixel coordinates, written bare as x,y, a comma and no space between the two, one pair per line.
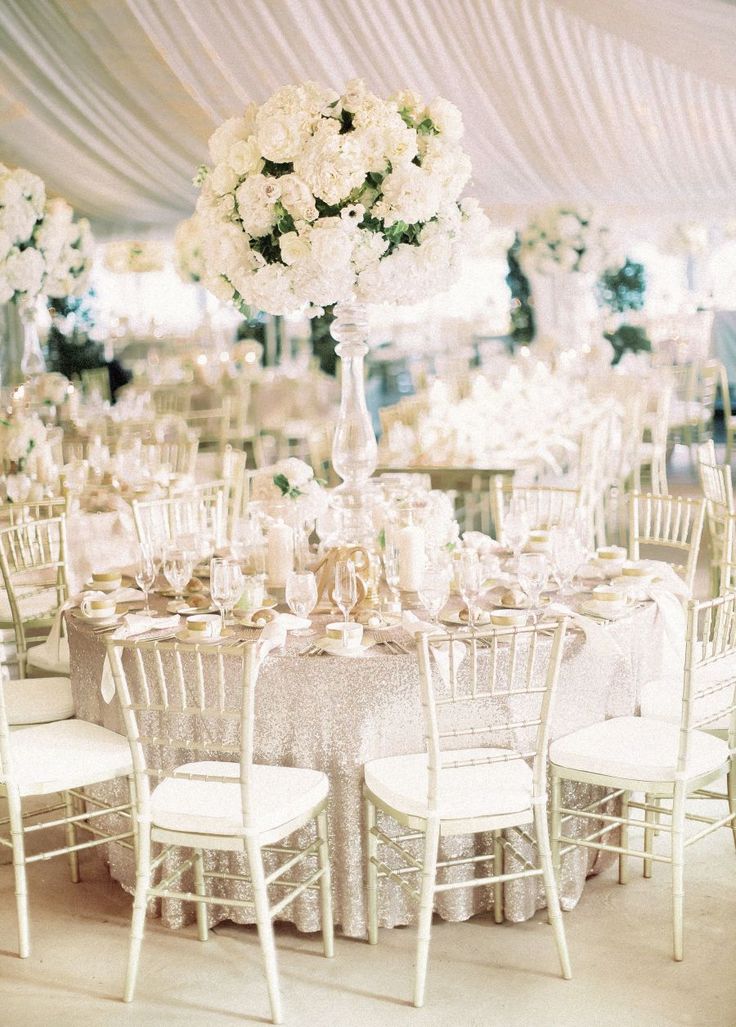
245,157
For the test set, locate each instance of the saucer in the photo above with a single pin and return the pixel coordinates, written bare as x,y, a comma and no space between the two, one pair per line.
103,586
591,608
543,601
102,622
333,648
186,636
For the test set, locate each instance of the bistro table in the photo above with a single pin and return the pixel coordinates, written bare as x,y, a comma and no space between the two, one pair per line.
333,714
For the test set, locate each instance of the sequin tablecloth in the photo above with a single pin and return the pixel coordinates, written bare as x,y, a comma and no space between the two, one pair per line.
334,714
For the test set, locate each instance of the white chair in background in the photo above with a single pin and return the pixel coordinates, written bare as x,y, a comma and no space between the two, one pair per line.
671,525
54,759
717,485
225,802
200,511
669,760
490,788
547,506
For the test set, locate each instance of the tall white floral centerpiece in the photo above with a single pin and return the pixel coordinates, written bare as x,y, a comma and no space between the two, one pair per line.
317,198
43,252
562,250
188,251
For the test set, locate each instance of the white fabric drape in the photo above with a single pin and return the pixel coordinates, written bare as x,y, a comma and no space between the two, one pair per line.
629,104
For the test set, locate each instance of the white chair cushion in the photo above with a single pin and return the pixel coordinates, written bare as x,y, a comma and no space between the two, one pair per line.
67,754
661,699
636,748
486,790
38,700
280,794
44,657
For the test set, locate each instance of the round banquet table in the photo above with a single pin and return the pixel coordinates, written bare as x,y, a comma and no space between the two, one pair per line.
334,714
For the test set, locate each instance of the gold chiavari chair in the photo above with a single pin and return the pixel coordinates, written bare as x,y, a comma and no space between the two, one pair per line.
211,427
490,788
671,525
547,506
33,566
97,380
171,399
669,762
717,485
652,450
175,702
61,760
729,420
695,389
200,511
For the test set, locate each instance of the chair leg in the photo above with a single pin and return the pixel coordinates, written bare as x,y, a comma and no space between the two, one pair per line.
649,832
554,913
371,849
15,814
498,869
138,921
265,926
623,862
731,779
71,837
325,886
678,869
426,907
556,823
199,887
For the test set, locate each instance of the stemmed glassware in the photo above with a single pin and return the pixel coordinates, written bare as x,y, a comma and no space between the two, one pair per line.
516,528
568,553
346,587
391,569
470,579
226,585
301,596
434,589
532,578
177,566
146,572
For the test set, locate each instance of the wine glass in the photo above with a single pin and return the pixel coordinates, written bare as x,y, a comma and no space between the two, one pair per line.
516,530
470,580
568,553
346,587
226,585
301,596
533,578
145,578
177,569
391,569
434,590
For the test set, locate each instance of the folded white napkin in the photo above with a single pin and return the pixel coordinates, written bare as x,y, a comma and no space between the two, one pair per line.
595,633
133,624
481,543
289,622
273,636
441,652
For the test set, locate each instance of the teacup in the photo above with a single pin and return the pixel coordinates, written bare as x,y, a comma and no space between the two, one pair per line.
98,608
612,597
635,570
107,581
204,625
348,636
614,554
538,541
509,618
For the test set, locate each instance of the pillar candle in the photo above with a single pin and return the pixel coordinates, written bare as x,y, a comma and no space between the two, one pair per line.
411,557
280,553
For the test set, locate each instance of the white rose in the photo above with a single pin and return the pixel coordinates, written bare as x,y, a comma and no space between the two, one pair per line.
257,204
25,270
446,118
294,247
5,244
245,157
369,247
331,243
331,165
224,179
297,198
281,136
410,194
229,132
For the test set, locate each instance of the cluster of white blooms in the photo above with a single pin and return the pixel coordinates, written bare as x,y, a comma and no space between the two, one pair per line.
49,388
188,252
20,434
567,240
43,251
685,240
125,257
316,197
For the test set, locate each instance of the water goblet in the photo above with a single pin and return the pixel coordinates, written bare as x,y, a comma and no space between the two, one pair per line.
391,570
226,585
470,580
434,590
346,587
516,530
533,578
177,569
145,578
301,596
568,553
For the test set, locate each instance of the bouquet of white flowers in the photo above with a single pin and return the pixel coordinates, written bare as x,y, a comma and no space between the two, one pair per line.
22,266
125,257
562,239
188,254
67,247
688,239
49,388
290,480
316,198
20,434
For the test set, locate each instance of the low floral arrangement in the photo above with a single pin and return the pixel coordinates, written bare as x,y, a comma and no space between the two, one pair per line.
68,248
188,252
317,197
688,239
129,256
290,480
49,389
563,239
21,433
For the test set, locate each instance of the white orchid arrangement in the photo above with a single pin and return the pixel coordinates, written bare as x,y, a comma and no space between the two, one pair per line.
43,251
129,256
188,250
563,239
316,197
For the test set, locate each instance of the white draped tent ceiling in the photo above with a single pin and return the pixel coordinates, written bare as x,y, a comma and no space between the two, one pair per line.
621,103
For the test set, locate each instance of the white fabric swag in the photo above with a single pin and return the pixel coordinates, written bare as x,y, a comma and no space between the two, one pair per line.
629,104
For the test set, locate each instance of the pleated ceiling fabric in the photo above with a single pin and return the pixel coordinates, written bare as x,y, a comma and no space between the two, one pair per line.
628,104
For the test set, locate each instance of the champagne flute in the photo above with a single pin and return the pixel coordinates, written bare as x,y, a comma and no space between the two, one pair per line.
145,577
516,529
391,569
470,580
226,585
533,578
346,587
301,596
568,553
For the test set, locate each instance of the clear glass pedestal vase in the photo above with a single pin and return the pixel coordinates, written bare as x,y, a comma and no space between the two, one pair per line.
354,448
32,362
